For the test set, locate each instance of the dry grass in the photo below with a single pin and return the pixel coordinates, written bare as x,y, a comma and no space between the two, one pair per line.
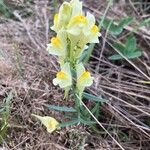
27,70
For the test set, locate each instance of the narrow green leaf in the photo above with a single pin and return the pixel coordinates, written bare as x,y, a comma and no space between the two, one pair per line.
115,57
61,108
83,56
93,97
130,44
69,123
85,122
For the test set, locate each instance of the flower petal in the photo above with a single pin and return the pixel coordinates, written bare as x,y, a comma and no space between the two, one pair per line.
49,122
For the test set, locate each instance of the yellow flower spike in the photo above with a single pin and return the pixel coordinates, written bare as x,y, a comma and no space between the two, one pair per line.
84,78
64,77
49,122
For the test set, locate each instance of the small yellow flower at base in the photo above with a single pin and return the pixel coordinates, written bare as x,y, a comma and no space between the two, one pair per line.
50,123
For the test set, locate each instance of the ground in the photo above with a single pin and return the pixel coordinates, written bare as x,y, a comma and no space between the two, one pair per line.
27,71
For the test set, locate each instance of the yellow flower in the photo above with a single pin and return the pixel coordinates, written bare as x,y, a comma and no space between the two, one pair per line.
91,31
63,77
76,25
66,12
50,123
58,45
84,78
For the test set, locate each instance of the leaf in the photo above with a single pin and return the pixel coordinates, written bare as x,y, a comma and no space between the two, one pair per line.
116,27
134,54
83,56
61,108
69,123
93,97
115,57
96,110
113,28
125,21
85,122
130,55
130,44
119,47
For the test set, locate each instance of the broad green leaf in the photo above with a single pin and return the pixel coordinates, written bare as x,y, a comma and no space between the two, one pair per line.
113,28
134,54
116,27
61,108
130,44
93,97
69,123
119,47
130,55
125,21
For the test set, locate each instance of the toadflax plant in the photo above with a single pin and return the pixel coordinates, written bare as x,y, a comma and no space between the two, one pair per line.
74,30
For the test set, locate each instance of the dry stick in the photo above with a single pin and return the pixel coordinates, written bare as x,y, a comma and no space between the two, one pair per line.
130,120
129,61
126,92
101,125
133,106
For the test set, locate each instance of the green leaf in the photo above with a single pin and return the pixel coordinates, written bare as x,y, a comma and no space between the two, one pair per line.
96,110
83,56
134,54
61,108
85,122
119,47
115,57
113,28
130,44
69,123
125,21
130,55
93,97
116,27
